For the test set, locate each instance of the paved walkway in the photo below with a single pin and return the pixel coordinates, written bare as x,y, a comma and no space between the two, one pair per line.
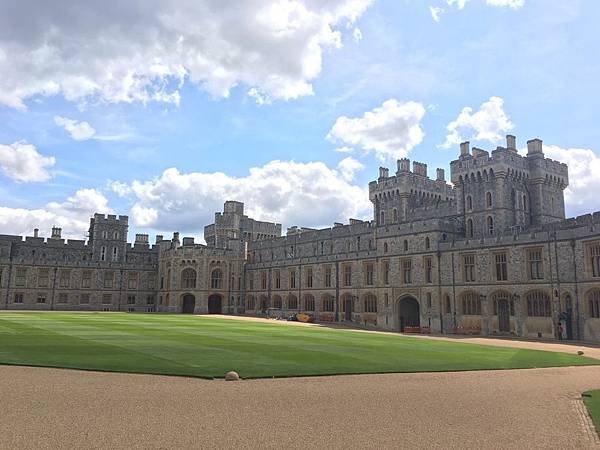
538,408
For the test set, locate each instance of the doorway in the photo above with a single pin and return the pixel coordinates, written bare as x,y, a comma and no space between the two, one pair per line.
503,316
189,304
409,313
214,304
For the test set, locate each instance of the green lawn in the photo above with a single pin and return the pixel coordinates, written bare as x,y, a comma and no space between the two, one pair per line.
592,401
208,347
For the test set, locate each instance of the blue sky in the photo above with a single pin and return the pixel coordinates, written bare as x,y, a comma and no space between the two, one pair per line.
170,147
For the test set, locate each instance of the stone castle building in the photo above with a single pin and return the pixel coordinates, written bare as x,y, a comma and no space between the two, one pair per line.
490,254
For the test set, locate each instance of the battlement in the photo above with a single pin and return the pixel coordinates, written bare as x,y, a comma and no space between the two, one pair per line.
110,219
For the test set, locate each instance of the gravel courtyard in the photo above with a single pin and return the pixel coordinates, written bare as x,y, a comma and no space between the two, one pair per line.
535,408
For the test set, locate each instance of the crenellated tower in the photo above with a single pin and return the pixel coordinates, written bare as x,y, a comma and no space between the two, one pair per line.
108,237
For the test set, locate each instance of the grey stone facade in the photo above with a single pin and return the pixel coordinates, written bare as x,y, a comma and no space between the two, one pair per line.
490,254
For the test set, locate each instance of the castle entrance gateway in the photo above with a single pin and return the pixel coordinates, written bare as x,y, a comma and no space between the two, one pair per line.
215,304
408,313
188,304
503,315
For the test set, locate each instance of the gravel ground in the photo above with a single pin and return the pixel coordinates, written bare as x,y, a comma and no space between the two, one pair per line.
537,408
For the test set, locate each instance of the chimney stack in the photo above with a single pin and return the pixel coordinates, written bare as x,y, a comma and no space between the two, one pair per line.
384,172
440,175
56,233
36,232
403,165
534,146
464,148
511,142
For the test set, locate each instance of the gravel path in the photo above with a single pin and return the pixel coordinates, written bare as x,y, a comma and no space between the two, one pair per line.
537,408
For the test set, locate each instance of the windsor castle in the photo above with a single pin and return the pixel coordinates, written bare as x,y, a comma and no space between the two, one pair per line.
491,254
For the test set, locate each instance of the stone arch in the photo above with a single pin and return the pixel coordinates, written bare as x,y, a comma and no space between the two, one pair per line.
292,302
277,302
215,304
409,312
188,304
347,306
264,303
309,302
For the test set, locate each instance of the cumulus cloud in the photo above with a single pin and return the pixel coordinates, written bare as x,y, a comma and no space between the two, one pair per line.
486,124
72,215
292,193
436,13
22,162
80,131
388,131
145,51
348,167
514,4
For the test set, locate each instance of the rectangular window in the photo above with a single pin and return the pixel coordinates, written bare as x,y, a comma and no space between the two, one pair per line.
108,279
263,280
18,298
103,253
501,267
132,280
292,279
386,299
407,271
469,268
595,259
115,254
131,299
534,257
150,300
84,299
369,274
86,279
428,269
386,272
65,278
251,281
309,277
277,279
106,299
152,282
41,298
327,276
348,275
43,278
20,276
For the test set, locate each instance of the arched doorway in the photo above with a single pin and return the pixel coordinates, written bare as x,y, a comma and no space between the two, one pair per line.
189,303
503,315
347,307
409,314
214,304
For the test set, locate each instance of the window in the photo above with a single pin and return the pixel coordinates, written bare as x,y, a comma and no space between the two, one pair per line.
151,282
503,296
594,301
469,203
471,304
150,300
501,267
65,278
84,299
43,278
106,299
428,263
386,272
20,276
108,279
448,304
428,297
385,247
488,199
427,243
469,228
251,281
277,276
86,279
327,276
132,280
490,225
292,278
292,302
347,275
369,275
469,268
263,280
63,297
534,257
116,235
538,304
406,271
277,303
115,254
251,303
131,299
309,277
216,279
103,253
41,298
405,245
105,234
370,303
594,255
524,202
382,220
327,303
309,303
386,299
395,215
18,298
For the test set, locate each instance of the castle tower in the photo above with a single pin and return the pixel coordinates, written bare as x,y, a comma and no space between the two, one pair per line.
108,237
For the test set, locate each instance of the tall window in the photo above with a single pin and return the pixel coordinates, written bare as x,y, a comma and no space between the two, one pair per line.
131,299
132,280
471,304
43,278
348,275
20,276
309,277
405,245
370,303
327,276
428,263
469,268
292,302
490,225
594,301
501,267
407,271
251,303
103,253
292,278
469,203
534,257
109,279
327,303
594,252
427,243
216,279
115,254
382,220
386,272
395,215
18,298
65,278
309,303
369,277
538,304
448,304
277,274
263,280
188,278
86,279
277,302
488,199
470,228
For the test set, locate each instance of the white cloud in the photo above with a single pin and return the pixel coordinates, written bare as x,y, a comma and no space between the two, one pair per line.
80,131
309,194
515,4
460,4
72,215
389,131
486,124
119,188
348,167
117,51
357,35
436,13
22,162
344,149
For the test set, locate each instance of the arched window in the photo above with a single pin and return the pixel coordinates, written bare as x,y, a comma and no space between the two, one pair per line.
469,203
382,220
490,225
395,215
188,278
251,303
327,303
470,228
524,202
427,243
216,279
448,304
538,304
385,247
277,302
488,199
503,296
471,304
292,302
309,303
405,245
594,302
370,303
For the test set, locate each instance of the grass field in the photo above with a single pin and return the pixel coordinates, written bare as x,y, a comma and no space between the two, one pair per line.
592,401
209,346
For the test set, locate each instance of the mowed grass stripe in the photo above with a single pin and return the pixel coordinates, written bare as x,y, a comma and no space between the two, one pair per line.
209,347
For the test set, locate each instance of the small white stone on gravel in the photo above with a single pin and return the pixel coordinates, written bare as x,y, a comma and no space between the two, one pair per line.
232,376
